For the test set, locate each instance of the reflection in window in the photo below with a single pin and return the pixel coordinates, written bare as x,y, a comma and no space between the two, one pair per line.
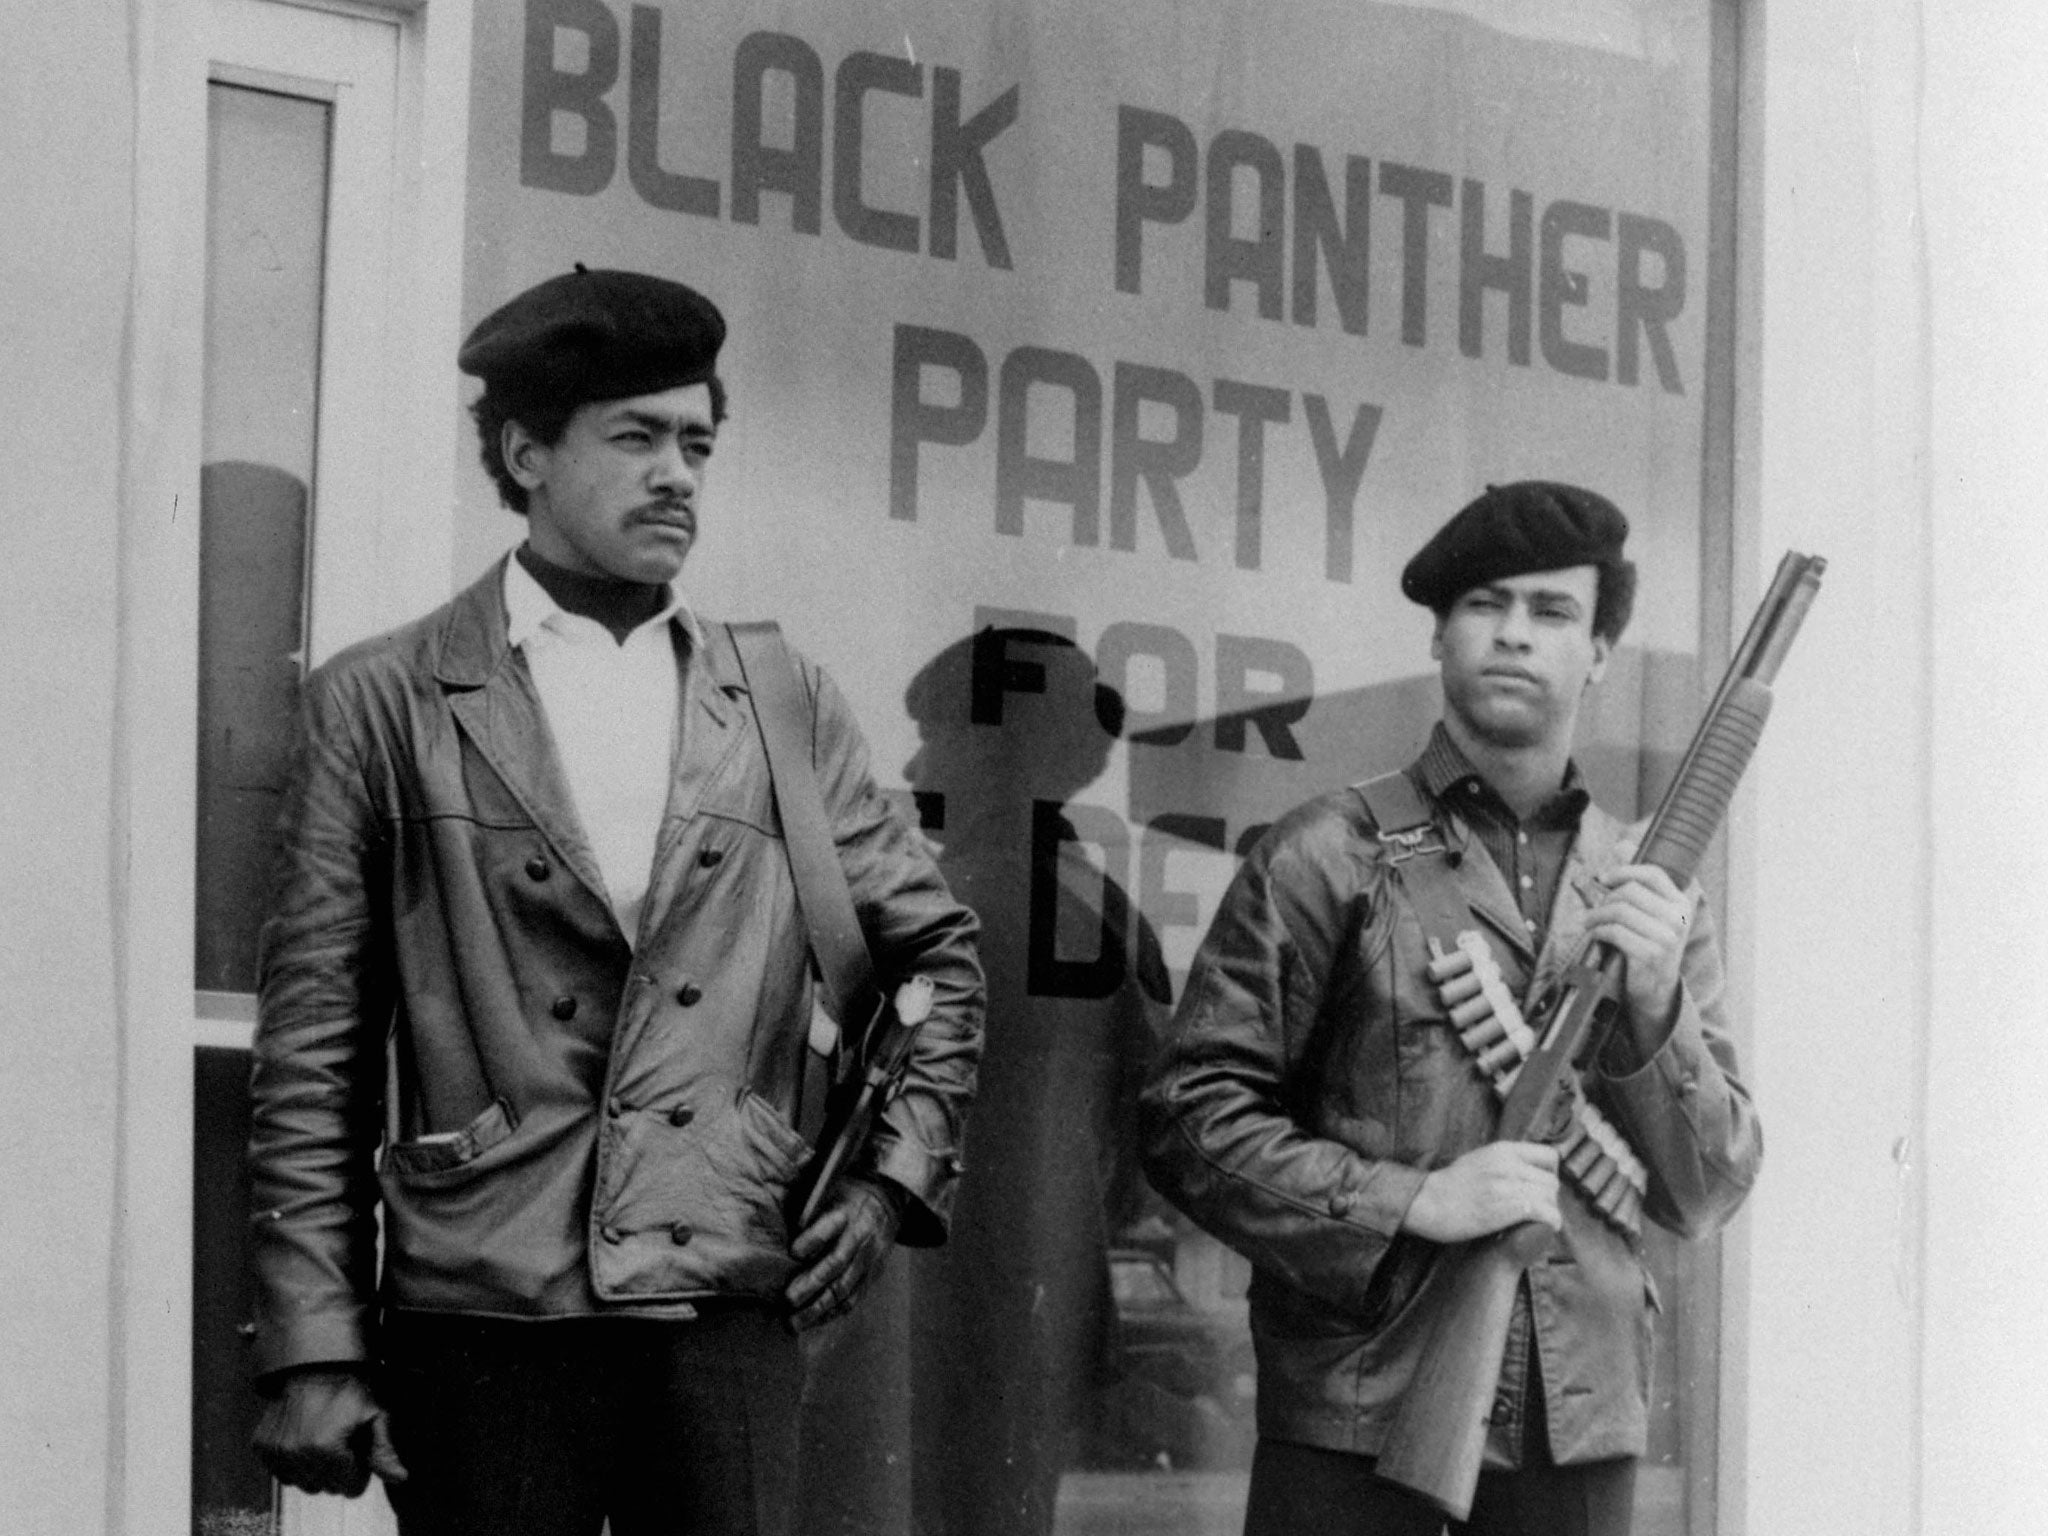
266,225
266,218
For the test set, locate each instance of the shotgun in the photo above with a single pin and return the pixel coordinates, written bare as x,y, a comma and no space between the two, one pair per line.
1438,1435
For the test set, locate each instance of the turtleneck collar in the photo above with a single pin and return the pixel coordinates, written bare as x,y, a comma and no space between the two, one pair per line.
620,606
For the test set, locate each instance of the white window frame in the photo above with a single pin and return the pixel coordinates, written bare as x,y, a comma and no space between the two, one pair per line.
379,551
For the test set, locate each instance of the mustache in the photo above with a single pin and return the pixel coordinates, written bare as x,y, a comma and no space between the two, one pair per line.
680,512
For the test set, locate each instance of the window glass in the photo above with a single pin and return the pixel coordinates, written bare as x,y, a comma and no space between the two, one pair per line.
1095,370
266,222
266,217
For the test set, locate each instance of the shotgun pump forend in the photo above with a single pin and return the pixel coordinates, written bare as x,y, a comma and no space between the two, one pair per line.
1697,802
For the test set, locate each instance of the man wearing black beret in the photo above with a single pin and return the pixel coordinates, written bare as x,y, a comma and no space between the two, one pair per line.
537,1000
1328,1091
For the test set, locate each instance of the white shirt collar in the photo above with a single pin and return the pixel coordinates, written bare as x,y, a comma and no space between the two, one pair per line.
529,609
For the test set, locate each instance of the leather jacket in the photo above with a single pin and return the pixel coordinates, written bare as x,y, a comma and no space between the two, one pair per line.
1310,1080
556,1120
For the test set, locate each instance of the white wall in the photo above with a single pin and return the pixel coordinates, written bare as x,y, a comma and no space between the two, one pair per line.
66,124
1985,167
1894,1375
1832,424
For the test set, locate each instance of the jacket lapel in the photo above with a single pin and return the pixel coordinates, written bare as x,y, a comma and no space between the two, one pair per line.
717,720
491,694
717,717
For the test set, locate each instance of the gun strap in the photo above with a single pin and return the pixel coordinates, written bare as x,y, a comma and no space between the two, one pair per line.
1593,1155
1415,846
784,716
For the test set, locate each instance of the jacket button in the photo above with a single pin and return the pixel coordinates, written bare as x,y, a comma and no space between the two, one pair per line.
688,994
679,1234
710,857
611,1234
617,1106
536,868
1341,1203
681,1115
564,1008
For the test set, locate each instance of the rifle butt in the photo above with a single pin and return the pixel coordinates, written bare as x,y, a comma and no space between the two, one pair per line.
1438,1437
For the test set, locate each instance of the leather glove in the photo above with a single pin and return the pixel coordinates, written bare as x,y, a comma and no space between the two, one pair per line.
842,1249
324,1433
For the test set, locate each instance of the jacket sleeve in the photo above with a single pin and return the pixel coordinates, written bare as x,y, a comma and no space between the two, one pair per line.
317,1080
913,926
1685,1110
1221,1140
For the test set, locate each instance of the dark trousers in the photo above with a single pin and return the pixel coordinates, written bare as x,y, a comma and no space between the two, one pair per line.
549,1428
1300,1490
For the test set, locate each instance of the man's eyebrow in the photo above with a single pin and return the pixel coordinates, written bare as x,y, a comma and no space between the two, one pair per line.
1502,592
655,421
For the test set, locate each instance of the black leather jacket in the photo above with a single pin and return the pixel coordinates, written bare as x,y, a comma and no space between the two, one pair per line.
1310,1080
452,1023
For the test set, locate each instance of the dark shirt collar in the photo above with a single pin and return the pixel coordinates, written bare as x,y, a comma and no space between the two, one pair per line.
620,606
1450,779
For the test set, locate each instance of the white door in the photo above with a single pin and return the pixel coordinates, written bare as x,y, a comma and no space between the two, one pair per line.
308,538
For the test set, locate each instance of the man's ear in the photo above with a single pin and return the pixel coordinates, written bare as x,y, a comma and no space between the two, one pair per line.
525,456
1436,639
1602,649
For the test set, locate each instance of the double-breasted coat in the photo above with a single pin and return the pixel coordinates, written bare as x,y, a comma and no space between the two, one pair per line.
556,1117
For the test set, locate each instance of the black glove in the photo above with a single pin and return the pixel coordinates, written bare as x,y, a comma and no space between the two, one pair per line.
843,1247
324,1433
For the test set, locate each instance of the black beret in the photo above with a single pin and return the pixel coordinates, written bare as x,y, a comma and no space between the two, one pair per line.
1511,530
599,335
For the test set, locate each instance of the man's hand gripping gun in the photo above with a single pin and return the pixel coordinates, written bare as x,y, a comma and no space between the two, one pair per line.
850,1112
1591,1152
1438,1435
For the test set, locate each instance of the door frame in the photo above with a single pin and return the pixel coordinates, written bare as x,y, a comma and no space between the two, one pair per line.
399,323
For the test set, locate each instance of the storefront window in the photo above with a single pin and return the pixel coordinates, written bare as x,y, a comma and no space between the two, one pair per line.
1094,371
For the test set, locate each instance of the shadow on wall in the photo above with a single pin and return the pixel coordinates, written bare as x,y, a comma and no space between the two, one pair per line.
1004,1334
1071,1320
252,611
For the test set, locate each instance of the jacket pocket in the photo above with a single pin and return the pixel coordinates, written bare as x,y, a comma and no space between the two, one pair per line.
753,1171
433,1159
785,1145
697,1206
